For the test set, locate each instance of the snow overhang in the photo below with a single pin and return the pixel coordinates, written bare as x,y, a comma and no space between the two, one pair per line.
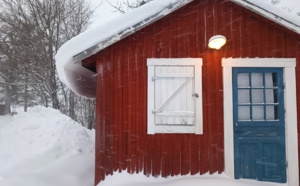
70,56
285,13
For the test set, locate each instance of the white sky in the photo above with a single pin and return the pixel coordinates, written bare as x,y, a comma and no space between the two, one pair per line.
105,12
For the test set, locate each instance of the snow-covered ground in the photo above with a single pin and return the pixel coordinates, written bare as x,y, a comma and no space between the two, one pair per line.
125,179
45,148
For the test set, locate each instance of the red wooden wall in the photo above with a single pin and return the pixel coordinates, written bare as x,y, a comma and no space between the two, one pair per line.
122,142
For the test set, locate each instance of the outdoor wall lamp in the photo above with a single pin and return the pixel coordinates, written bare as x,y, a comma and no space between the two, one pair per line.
216,42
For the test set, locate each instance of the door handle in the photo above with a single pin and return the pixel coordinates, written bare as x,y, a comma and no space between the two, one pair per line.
195,95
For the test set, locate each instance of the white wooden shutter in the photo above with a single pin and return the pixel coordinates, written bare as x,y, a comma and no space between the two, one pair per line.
174,96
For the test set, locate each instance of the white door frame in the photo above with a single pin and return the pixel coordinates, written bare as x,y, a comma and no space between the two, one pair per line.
289,78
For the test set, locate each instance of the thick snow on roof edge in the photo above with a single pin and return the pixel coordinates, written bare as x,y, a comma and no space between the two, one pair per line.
110,30
286,9
283,12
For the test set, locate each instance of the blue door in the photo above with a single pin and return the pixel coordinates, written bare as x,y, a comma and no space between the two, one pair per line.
259,128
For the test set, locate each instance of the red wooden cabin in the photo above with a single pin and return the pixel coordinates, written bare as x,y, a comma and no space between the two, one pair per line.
200,122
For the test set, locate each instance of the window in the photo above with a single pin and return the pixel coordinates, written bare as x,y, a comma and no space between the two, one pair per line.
257,95
174,96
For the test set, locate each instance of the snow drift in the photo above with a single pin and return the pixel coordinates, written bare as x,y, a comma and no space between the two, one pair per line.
46,148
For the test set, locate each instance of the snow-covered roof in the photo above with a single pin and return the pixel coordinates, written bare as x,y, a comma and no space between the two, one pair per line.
283,12
102,36
70,55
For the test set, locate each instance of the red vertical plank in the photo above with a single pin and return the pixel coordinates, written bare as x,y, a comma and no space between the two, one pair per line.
219,138
243,34
101,122
191,23
143,99
136,95
173,43
297,48
129,105
108,120
137,107
201,31
115,124
119,105
125,94
99,156
254,42
278,45
228,33
291,47
264,36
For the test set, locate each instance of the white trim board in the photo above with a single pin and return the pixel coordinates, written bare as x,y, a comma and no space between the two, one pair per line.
288,65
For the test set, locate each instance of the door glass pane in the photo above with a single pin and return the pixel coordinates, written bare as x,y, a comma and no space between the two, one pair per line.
257,80
258,112
244,113
243,79
270,80
257,96
271,96
271,112
243,96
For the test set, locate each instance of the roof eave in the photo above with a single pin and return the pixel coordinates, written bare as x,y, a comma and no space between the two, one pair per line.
127,32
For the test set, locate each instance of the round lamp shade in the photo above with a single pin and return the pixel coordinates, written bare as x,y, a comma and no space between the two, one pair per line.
216,42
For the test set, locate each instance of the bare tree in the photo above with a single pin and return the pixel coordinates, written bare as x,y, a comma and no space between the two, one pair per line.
85,113
123,6
31,32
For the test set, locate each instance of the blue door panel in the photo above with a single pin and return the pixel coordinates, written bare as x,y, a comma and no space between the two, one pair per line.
259,132
248,156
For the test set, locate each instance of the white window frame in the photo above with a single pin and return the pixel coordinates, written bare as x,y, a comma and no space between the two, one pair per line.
197,63
289,77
